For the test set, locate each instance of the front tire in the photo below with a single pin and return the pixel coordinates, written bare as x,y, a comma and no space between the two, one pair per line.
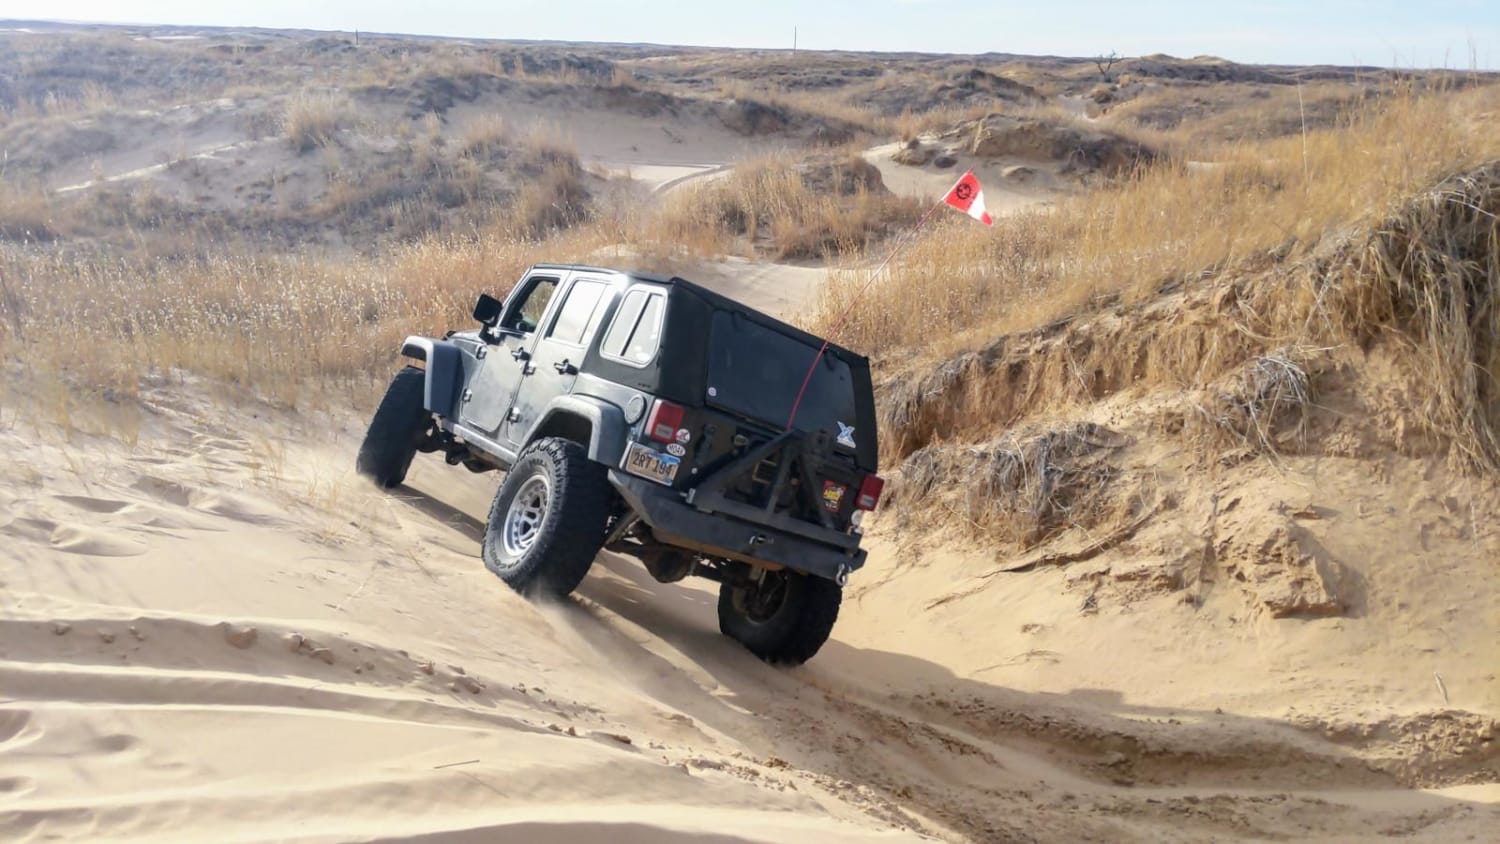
784,618
548,519
397,429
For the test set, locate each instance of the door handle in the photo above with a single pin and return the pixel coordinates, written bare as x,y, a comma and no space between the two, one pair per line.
521,354
564,368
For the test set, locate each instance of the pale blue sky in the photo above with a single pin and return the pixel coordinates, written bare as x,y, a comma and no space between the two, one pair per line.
1407,33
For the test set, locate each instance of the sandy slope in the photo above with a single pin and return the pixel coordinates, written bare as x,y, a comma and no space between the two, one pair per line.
237,141
203,637
219,632
1010,184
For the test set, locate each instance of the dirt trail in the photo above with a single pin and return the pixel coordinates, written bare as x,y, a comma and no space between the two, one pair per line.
206,154
1011,185
221,629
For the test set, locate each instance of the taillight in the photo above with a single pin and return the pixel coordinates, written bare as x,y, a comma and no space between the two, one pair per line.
665,419
869,492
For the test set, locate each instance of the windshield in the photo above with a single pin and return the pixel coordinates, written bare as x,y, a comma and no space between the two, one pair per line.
755,371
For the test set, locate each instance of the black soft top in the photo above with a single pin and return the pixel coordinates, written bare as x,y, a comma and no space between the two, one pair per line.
681,371
717,300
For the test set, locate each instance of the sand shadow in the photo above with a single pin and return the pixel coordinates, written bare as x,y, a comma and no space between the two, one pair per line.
440,511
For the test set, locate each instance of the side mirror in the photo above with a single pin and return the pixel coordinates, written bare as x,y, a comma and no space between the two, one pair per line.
487,309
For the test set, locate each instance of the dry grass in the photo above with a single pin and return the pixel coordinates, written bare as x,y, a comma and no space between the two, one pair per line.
484,136
1201,117
1429,279
911,125
768,206
557,198
275,324
358,187
898,98
837,109
77,75
1423,273
89,98
1415,290
26,213
311,118
1019,490
1168,223
1265,408
1396,319
544,143
272,325
1247,283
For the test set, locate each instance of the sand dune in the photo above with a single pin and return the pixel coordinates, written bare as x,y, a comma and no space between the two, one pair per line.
184,649
1010,185
220,632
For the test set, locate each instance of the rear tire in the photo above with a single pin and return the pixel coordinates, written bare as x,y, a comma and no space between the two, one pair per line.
397,429
548,519
784,619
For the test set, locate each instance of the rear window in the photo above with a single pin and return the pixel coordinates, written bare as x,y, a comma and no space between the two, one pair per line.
756,372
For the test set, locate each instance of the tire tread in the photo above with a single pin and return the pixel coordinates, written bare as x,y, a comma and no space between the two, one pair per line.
395,430
792,639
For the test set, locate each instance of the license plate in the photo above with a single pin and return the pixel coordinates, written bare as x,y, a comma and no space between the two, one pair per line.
642,461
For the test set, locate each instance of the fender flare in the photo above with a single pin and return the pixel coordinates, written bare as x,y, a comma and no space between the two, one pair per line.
607,428
444,369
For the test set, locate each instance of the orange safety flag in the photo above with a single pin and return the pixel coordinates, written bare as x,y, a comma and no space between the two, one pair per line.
968,197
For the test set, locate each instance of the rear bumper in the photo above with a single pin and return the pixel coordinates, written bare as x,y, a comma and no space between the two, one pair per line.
675,522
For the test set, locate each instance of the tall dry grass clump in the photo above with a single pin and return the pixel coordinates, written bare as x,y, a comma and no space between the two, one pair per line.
312,118
833,205
26,213
555,199
1429,276
1019,489
484,136
553,193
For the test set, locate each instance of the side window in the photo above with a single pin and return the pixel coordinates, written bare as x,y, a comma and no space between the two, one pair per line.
577,312
642,346
636,331
625,319
524,315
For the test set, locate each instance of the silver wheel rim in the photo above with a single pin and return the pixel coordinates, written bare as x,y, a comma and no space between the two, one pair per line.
524,517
